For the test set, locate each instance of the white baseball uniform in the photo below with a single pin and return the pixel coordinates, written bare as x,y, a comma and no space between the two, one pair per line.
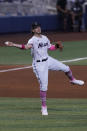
42,62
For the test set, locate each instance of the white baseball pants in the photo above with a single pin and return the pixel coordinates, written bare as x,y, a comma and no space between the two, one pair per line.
41,70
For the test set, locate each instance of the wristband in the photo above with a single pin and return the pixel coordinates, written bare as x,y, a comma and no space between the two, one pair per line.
22,46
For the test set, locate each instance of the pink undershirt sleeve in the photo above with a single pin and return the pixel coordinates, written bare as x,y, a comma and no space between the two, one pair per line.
52,47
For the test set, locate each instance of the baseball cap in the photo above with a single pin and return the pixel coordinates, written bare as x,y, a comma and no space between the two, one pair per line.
35,25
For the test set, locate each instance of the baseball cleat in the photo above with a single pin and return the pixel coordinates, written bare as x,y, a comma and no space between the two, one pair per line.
44,111
77,82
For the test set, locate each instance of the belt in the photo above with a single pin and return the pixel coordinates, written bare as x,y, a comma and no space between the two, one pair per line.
42,60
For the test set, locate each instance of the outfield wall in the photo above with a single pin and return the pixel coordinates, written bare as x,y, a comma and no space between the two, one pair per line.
23,23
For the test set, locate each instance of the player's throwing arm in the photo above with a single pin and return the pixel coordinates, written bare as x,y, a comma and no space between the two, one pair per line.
21,46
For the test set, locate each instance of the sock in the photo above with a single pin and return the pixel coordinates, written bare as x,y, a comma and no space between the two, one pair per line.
43,97
69,75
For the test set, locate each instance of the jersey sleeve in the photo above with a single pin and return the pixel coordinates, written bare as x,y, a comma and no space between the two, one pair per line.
30,42
49,44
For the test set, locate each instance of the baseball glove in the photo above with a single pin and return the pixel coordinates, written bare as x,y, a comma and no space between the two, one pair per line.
59,45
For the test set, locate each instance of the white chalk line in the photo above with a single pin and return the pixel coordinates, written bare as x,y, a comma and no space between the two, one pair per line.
73,60
15,69
27,67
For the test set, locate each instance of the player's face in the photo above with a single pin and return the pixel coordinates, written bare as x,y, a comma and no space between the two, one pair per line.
37,30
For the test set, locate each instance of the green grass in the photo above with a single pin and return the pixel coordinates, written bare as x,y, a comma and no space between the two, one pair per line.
72,50
11,55
23,114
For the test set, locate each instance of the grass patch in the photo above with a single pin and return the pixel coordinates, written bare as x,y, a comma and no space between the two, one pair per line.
12,56
23,114
72,50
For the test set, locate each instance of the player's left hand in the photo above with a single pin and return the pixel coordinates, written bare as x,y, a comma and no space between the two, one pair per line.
59,45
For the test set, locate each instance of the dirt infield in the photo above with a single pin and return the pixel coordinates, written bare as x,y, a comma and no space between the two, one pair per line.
23,83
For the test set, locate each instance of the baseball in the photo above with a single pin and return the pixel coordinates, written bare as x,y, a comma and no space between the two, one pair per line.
6,42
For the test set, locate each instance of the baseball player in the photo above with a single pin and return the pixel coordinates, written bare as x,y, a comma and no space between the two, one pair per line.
42,62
